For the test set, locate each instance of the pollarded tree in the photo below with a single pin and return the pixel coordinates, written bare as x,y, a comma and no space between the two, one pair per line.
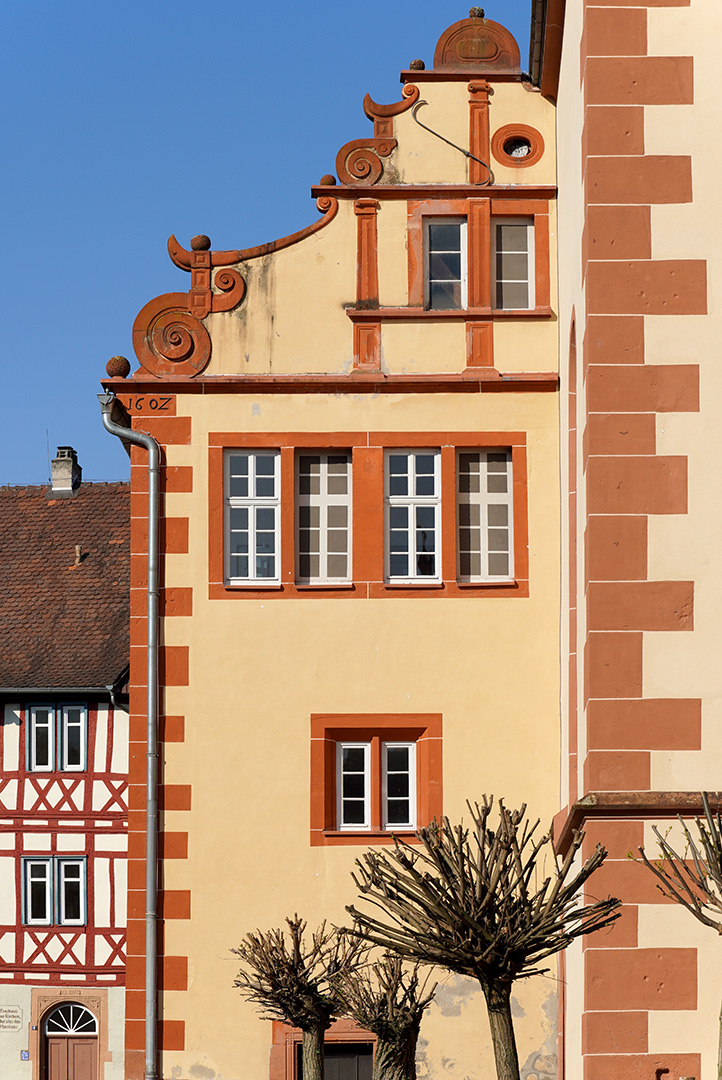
469,900
390,1000
693,877
293,981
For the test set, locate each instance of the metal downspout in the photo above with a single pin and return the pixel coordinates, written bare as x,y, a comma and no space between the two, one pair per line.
140,438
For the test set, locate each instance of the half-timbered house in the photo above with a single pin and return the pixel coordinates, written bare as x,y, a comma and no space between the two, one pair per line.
64,580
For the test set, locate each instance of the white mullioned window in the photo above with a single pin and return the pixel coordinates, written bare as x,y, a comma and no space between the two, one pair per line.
484,515
398,763
512,263
41,738
70,892
353,785
323,517
445,263
359,785
54,891
73,721
37,892
252,509
412,505
57,739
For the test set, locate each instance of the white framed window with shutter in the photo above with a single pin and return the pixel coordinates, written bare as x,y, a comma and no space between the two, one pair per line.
512,258
485,541
323,518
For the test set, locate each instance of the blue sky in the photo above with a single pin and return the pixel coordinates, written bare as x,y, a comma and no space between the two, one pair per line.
125,122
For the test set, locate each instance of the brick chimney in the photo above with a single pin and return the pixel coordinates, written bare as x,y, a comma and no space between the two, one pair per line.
67,474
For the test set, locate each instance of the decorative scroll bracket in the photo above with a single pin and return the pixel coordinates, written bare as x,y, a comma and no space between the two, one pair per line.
359,161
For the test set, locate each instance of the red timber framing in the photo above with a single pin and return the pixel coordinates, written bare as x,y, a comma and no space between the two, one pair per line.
73,815
615,394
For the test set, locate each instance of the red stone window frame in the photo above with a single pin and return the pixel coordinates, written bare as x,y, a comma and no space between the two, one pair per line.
287,1040
327,729
479,214
367,464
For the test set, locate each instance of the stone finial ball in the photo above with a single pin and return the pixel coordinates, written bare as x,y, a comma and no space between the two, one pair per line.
201,243
417,65
118,367
327,180
476,13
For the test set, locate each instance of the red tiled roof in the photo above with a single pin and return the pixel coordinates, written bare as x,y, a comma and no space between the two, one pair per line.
63,625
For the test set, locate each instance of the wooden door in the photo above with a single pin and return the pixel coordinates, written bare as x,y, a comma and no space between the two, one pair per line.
71,1058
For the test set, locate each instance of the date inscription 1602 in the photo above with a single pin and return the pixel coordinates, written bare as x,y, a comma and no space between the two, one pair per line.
149,405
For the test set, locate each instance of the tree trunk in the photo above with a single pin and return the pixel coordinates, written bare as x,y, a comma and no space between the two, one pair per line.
312,1053
396,1060
498,1003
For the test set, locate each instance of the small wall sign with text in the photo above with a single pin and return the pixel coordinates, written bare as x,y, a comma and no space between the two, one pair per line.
149,404
11,1018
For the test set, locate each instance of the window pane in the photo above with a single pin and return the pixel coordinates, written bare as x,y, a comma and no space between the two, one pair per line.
353,785
399,566
512,294
73,745
337,517
397,811
498,514
354,758
308,517
512,267
37,898
397,758
445,236
469,564
337,566
425,517
337,539
512,237
42,747
308,566
238,476
398,785
238,518
239,566
265,517
445,295
496,483
498,539
353,813
499,565
309,541
71,906
398,465
445,266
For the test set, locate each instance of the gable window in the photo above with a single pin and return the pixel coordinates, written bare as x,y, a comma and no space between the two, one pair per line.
323,516
54,891
445,263
57,739
252,507
412,503
513,263
484,515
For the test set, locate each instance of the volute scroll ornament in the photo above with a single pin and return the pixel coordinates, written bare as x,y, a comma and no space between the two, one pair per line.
359,161
169,340
382,115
